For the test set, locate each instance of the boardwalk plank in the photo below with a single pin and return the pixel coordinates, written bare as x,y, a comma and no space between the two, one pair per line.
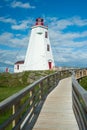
57,113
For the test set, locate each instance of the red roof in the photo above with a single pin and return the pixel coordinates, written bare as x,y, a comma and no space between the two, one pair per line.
20,62
39,21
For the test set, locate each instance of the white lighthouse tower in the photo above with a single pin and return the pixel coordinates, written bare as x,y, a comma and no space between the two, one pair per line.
39,53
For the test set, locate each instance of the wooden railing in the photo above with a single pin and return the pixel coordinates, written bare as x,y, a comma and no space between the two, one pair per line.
80,73
79,98
22,109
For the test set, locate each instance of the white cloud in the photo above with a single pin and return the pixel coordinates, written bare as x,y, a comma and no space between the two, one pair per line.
19,42
61,24
5,38
7,20
19,4
7,56
79,22
17,25
13,41
22,25
15,47
68,48
65,49
67,55
58,36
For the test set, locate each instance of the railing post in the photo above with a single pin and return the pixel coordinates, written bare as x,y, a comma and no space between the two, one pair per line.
48,83
13,112
56,79
15,108
31,95
41,89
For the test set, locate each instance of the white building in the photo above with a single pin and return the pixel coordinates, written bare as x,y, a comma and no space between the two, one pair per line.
19,66
39,54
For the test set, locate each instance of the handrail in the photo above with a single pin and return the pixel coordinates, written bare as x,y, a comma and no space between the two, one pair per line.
79,98
19,94
23,107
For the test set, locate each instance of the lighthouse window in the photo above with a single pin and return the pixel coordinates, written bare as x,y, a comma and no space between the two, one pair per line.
48,47
17,67
46,35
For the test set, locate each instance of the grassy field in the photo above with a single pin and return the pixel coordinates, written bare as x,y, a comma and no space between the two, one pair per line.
83,82
12,83
6,92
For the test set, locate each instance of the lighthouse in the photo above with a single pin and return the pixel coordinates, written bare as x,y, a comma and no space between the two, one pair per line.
39,53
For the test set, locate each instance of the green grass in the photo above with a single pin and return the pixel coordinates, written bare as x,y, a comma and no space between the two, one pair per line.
12,83
83,82
6,92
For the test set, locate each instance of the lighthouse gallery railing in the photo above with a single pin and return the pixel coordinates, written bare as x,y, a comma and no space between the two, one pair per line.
23,107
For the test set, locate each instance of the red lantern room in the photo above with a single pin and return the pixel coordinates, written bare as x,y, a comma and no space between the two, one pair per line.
39,21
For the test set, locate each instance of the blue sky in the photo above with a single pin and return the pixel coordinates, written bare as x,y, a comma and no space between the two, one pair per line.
67,22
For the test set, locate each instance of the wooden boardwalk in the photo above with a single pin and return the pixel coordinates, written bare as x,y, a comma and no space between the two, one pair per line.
57,113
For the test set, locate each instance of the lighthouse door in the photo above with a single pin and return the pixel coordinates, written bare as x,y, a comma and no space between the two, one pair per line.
50,64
